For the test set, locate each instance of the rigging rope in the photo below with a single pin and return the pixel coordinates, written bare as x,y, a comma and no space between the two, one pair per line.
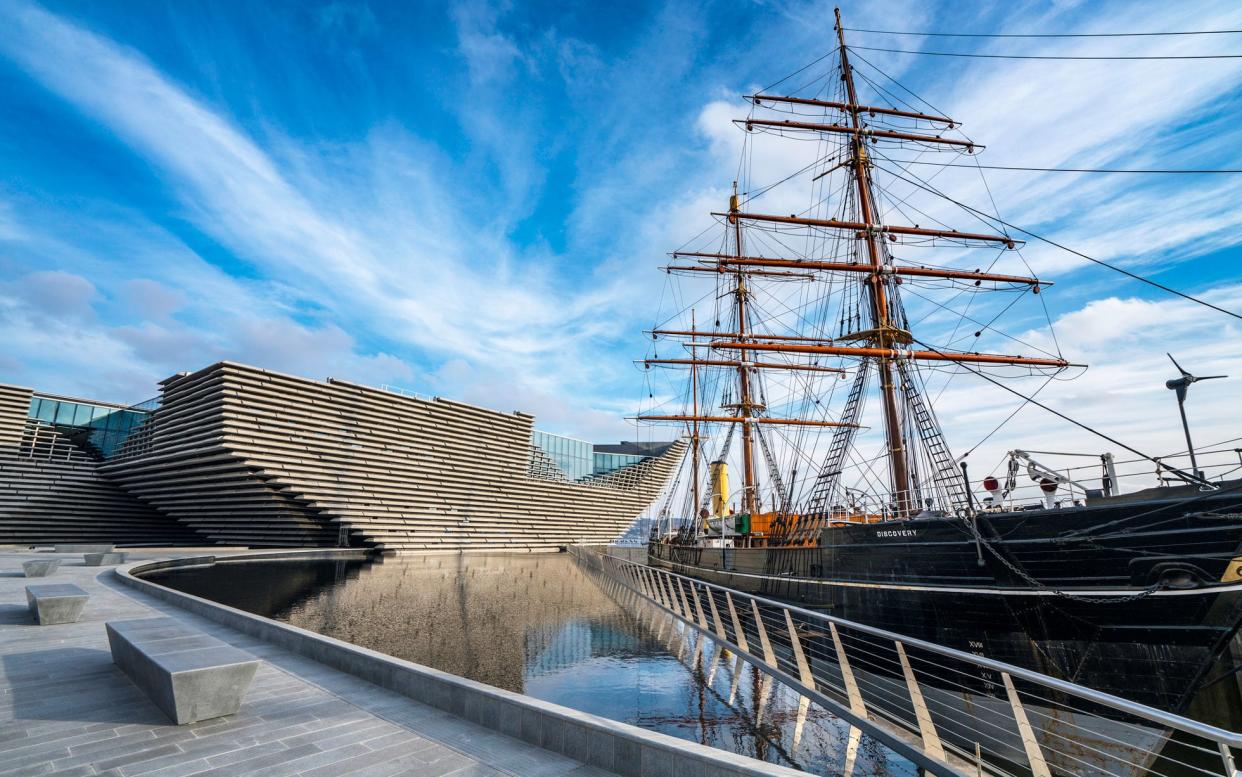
1183,475
1053,243
773,470
1043,34
1231,171
1047,56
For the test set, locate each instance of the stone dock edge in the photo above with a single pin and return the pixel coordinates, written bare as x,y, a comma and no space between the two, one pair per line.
608,744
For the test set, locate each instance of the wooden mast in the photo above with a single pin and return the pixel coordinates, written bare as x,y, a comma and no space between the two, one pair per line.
916,272
861,228
898,464
753,365
889,352
694,434
746,406
759,99
884,343
737,419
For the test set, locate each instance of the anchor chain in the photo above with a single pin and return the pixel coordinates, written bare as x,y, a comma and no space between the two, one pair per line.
1026,576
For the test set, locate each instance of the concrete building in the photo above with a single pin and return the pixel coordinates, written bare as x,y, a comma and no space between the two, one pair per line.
238,455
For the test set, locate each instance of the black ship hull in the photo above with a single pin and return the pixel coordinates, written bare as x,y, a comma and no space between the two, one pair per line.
1140,599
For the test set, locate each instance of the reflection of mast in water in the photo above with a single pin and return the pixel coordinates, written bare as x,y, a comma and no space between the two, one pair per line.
758,697
696,672
766,739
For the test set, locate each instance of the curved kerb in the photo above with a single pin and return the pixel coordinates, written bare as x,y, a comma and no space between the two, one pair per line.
607,744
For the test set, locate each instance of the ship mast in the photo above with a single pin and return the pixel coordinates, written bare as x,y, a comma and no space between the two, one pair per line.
694,433
918,457
745,405
877,290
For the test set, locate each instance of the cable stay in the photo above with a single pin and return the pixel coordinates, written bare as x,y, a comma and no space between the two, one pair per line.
1063,57
1044,34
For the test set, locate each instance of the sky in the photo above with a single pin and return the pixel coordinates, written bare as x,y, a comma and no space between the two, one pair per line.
473,199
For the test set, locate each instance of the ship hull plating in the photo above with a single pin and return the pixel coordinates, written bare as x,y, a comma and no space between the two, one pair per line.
1066,592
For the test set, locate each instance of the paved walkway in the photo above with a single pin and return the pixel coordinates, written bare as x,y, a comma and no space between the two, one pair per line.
67,710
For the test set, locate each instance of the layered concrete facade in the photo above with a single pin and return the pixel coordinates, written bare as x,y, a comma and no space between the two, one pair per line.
52,492
243,456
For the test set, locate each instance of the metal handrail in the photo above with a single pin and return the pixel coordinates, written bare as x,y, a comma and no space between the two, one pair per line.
767,665
1168,719
657,586
406,392
1216,463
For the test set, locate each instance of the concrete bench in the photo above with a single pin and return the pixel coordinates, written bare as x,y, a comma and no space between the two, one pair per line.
40,567
189,675
55,603
84,548
104,559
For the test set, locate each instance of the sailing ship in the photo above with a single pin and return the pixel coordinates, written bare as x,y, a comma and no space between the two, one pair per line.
1091,584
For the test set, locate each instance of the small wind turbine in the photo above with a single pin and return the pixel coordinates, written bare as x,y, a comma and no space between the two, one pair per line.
1181,385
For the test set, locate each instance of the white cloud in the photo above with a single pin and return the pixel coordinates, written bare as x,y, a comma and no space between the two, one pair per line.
381,251
386,247
490,55
56,293
151,299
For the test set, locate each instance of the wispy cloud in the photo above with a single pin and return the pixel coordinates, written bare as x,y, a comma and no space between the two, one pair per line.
498,244
387,251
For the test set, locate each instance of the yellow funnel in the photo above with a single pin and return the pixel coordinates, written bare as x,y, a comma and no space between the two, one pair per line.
720,487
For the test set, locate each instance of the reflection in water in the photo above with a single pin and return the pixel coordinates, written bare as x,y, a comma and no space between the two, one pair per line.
535,624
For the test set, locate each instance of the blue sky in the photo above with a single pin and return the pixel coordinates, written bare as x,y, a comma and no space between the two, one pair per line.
473,199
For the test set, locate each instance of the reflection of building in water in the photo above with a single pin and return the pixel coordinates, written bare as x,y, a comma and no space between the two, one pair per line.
554,646
533,623
265,588
470,614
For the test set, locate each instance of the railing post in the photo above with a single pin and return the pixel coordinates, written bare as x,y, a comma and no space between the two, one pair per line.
698,607
927,729
738,633
768,656
672,596
657,589
648,588
857,706
1035,756
681,595
1226,756
804,669
711,602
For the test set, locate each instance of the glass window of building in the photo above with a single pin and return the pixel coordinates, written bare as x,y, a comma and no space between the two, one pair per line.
109,426
611,462
573,457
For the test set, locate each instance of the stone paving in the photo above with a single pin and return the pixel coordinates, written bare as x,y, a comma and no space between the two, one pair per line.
67,710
